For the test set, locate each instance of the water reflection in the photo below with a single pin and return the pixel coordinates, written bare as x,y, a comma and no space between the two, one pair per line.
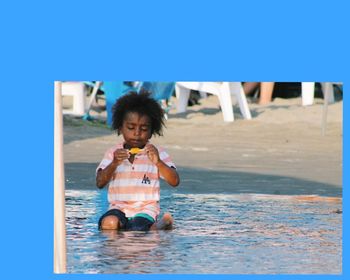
214,233
131,251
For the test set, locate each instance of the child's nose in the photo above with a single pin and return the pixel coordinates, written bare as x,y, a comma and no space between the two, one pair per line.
137,131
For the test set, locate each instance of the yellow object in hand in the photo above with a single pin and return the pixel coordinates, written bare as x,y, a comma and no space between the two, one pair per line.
135,151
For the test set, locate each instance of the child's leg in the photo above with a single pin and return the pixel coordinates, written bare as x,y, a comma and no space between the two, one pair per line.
110,222
113,219
165,223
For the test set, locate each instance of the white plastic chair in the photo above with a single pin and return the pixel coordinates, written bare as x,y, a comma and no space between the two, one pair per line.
223,90
78,91
308,92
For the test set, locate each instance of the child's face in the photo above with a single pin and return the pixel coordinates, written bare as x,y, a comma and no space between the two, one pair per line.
136,130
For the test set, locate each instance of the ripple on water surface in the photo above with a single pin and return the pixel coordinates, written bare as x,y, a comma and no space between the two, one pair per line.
214,233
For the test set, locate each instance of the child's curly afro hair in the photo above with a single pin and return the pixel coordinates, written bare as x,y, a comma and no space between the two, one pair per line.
142,104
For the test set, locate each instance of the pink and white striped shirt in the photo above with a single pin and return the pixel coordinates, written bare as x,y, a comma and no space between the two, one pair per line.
134,187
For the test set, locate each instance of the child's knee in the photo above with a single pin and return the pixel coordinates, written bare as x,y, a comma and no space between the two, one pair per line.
165,223
110,222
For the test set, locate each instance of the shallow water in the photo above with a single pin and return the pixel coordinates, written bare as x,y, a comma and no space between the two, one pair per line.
214,233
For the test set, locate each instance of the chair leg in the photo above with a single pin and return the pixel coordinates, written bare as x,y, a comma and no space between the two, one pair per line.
328,92
326,99
78,91
226,103
79,100
93,94
237,89
182,96
307,93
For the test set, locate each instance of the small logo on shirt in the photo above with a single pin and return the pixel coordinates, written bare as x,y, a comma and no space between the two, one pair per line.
146,180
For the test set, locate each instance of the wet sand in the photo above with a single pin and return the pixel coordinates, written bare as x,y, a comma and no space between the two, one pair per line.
280,151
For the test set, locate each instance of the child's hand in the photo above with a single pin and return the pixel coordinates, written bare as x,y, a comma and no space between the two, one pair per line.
152,153
120,155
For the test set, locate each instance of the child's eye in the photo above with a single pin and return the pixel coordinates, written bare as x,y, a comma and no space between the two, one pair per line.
130,127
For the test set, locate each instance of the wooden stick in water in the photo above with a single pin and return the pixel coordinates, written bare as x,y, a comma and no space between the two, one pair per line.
59,200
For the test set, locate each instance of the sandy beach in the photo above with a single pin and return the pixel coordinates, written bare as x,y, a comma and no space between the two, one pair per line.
280,151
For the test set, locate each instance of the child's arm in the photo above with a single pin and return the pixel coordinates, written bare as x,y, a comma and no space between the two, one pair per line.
105,175
169,174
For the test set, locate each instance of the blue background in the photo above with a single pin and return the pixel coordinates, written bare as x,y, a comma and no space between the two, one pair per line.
44,41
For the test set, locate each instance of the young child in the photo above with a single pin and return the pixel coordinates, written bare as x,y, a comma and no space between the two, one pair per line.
133,167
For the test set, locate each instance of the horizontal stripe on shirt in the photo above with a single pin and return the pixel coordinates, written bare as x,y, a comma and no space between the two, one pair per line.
135,175
133,197
134,182
133,190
